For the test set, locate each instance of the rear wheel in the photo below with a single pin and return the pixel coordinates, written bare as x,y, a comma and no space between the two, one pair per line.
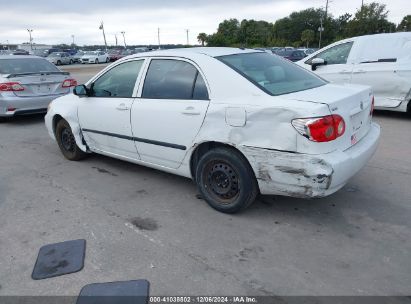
96,61
226,181
107,60
58,62
71,61
67,142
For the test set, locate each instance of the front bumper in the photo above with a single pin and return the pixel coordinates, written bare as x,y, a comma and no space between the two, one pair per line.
25,105
310,176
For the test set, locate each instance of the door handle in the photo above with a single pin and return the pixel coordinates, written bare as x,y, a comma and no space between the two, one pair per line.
122,107
190,111
359,72
345,72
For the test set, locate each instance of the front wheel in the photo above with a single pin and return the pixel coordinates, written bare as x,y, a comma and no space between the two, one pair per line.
96,62
58,62
71,61
226,180
107,60
67,142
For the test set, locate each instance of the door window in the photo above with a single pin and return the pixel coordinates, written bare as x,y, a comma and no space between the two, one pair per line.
335,55
173,79
117,82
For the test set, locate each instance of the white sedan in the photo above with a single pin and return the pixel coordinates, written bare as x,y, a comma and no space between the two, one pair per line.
95,57
238,122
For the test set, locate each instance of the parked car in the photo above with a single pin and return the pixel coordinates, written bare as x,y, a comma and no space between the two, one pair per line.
115,54
40,53
60,58
95,57
53,50
292,55
71,52
29,83
238,122
20,52
77,56
382,61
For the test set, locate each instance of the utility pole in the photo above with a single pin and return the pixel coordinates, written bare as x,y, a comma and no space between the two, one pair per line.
326,10
320,29
31,39
104,34
115,36
72,36
188,42
158,36
124,38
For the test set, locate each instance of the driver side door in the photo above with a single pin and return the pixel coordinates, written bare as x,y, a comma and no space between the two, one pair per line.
104,114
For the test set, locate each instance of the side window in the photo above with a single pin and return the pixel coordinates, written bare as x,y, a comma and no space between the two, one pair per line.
200,89
117,82
335,55
170,79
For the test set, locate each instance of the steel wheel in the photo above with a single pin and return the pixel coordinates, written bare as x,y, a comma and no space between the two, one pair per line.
221,181
67,140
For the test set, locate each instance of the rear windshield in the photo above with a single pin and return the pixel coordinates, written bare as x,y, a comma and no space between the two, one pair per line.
26,65
272,74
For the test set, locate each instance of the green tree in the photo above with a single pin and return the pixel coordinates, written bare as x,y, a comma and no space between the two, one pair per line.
405,24
202,38
307,36
370,19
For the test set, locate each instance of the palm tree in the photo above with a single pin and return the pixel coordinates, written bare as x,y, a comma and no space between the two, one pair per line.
202,38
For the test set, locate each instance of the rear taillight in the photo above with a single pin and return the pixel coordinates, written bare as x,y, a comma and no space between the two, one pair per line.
372,106
11,87
69,83
320,129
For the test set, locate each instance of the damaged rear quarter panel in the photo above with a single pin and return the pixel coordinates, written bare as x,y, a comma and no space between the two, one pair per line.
289,174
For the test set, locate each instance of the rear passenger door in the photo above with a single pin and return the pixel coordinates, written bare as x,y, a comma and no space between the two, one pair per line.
169,114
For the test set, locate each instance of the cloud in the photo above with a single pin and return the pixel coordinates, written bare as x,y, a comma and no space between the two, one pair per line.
54,22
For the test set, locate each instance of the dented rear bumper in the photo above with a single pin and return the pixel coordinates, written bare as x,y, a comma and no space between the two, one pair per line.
309,176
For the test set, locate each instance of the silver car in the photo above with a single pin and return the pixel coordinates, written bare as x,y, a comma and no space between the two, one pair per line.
28,84
59,58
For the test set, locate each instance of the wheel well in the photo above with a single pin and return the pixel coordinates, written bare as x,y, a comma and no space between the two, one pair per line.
204,147
56,119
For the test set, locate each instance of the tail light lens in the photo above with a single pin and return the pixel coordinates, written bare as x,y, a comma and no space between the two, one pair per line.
68,83
320,129
11,87
372,106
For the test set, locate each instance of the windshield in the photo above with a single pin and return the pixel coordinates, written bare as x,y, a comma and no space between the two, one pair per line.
90,53
272,74
26,65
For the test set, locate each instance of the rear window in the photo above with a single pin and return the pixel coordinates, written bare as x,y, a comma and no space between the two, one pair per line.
272,74
26,65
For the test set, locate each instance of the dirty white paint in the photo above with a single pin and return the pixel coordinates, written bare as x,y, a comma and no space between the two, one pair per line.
241,115
381,61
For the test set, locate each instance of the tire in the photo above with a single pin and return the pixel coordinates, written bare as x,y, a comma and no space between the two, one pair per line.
58,62
96,61
226,181
71,61
67,143
107,60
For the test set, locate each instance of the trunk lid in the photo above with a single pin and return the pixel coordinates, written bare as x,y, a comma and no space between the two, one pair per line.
352,102
38,84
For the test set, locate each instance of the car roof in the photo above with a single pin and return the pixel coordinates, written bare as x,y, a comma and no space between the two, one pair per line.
188,52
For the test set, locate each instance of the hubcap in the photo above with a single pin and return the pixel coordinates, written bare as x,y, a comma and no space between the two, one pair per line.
222,181
67,140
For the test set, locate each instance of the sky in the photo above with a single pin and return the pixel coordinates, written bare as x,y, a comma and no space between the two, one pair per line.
55,22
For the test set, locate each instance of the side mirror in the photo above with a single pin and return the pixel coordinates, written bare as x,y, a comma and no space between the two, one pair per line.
80,91
317,62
